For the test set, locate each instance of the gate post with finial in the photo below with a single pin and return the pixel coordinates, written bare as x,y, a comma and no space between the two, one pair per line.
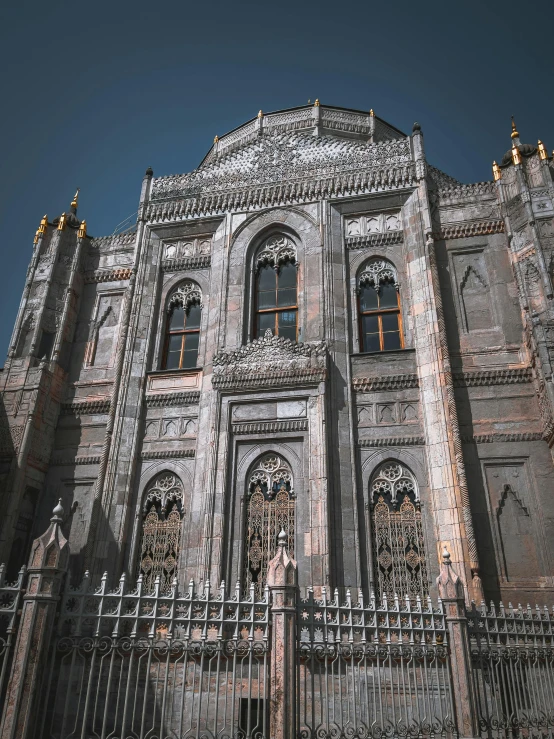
47,567
451,592
281,580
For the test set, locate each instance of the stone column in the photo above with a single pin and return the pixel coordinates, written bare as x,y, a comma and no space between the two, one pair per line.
451,592
47,567
281,579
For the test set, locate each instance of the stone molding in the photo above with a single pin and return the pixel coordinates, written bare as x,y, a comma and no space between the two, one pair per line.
496,437
510,376
64,461
270,427
393,382
392,441
473,191
86,407
168,454
182,264
271,361
113,242
162,400
379,239
112,275
473,228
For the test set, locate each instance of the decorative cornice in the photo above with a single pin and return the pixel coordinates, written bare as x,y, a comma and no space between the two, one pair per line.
86,407
65,461
106,242
392,441
511,376
472,228
168,454
495,437
256,380
393,382
111,275
181,264
270,427
379,239
473,191
166,399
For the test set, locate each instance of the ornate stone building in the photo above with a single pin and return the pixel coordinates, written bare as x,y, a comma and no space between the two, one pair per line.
316,332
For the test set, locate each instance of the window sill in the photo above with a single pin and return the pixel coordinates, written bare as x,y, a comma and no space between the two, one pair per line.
172,380
388,352
184,370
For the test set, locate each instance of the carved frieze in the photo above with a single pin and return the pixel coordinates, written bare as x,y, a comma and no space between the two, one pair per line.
392,441
270,427
108,275
392,382
472,228
163,400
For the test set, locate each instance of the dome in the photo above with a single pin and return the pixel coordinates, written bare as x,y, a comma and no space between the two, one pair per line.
526,150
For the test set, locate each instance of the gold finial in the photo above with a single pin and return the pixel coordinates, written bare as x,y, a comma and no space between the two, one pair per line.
216,139
516,156
43,225
496,172
37,237
371,113
61,222
82,232
260,114
543,154
515,134
75,201
316,104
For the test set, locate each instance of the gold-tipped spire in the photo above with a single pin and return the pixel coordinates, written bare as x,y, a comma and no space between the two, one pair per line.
75,201
260,114
371,113
43,224
37,237
316,104
543,154
61,222
82,232
516,156
216,139
515,134
496,172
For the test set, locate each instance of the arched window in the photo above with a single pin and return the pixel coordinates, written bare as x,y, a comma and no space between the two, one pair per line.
183,327
275,301
399,561
379,307
161,531
269,510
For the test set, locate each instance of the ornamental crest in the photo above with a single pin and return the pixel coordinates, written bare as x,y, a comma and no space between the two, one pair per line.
275,251
377,272
187,294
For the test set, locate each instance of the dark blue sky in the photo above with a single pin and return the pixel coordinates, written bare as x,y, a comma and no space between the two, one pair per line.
95,92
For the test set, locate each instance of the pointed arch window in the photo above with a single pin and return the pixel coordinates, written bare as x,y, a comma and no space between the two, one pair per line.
161,531
276,305
182,339
399,561
269,510
379,307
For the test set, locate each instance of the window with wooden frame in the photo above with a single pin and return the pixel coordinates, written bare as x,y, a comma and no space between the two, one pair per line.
276,306
379,314
183,327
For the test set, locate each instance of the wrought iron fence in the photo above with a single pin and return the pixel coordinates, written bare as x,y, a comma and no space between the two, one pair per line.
369,670
129,663
10,604
512,652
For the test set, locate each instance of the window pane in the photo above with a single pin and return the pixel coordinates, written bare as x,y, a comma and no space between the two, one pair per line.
287,275
266,300
286,297
267,278
177,320
265,321
368,298
391,340
390,321
193,316
371,343
174,352
370,324
191,342
175,343
287,324
388,296
190,359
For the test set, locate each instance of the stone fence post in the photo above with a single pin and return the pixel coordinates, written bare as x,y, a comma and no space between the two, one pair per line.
47,567
281,579
451,592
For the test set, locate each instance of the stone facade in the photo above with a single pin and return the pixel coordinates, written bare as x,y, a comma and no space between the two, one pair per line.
90,415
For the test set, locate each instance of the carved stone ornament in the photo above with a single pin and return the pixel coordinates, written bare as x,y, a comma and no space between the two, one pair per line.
188,293
376,272
166,489
272,353
275,251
